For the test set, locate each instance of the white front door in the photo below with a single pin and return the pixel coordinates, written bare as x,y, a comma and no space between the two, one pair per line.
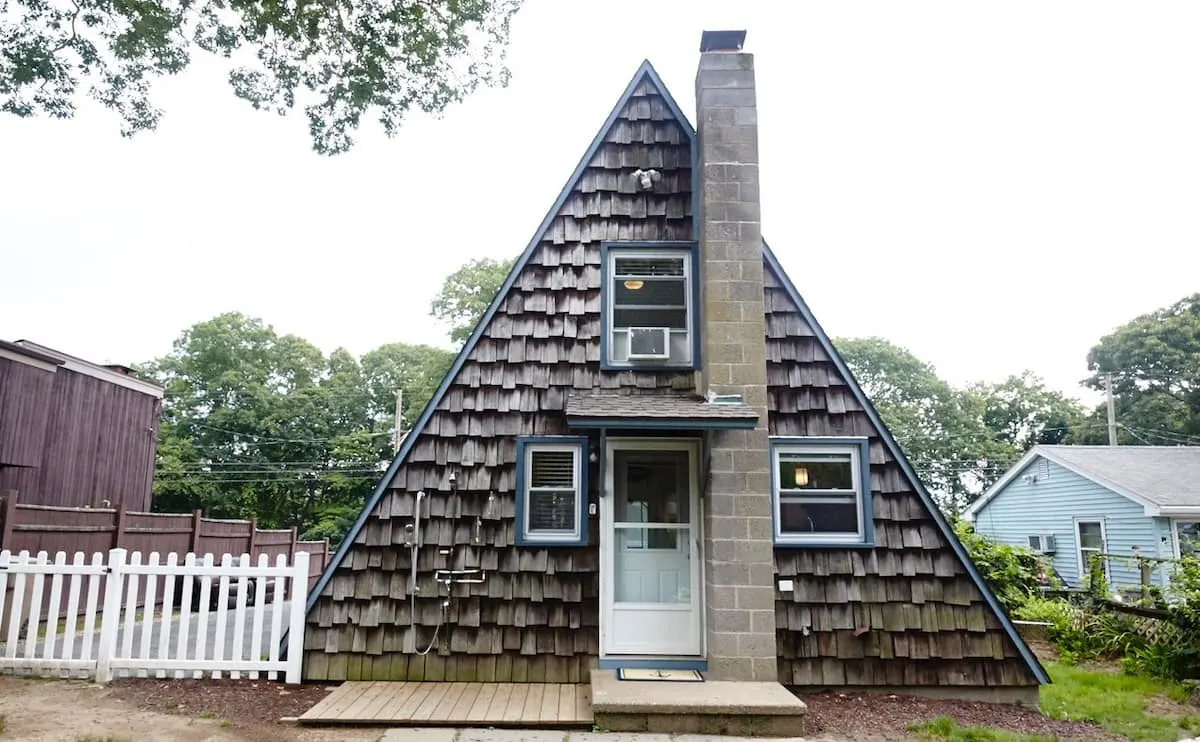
650,549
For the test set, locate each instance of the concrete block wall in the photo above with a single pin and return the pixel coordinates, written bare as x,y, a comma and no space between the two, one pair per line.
739,561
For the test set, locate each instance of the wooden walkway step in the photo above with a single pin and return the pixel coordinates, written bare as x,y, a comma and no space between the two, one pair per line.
455,704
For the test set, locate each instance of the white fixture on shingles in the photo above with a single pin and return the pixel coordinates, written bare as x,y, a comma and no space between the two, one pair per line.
646,179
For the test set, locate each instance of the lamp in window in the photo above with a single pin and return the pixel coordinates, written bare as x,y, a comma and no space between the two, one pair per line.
801,476
634,285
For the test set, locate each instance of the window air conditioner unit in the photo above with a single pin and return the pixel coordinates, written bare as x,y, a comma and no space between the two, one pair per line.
649,343
1042,543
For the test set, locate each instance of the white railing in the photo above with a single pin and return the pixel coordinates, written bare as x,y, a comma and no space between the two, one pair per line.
125,634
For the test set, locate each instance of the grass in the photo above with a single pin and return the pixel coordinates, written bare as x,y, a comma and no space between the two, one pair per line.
945,729
1121,704
1138,708
3,723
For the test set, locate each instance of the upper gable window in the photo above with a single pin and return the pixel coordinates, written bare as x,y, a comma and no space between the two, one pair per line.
649,306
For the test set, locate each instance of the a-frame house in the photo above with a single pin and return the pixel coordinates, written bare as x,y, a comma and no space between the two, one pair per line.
649,454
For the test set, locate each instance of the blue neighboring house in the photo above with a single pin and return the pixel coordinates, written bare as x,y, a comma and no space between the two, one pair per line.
1070,501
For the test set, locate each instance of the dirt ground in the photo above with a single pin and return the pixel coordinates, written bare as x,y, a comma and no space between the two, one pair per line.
130,711
249,711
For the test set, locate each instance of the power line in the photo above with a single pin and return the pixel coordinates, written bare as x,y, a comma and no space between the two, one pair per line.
265,440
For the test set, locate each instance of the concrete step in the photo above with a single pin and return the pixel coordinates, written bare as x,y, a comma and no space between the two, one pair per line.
727,707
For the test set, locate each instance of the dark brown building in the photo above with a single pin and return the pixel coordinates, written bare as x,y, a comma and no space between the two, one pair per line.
649,454
75,433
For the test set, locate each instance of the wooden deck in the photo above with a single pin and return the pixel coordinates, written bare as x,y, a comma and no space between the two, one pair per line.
455,704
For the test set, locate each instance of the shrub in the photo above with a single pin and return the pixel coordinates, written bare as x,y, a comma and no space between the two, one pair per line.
1177,655
1013,573
1080,634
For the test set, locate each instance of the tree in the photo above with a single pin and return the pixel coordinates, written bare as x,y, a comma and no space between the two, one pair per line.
1022,411
352,57
1154,360
466,294
260,425
939,428
417,370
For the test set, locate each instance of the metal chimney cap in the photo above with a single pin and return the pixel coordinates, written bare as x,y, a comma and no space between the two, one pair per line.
722,41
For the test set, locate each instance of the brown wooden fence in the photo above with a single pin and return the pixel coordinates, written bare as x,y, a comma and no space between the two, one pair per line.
35,528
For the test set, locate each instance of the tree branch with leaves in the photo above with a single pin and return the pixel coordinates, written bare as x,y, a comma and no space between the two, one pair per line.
350,57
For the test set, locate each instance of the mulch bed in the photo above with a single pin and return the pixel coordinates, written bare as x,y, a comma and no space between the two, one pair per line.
263,703
241,702
838,713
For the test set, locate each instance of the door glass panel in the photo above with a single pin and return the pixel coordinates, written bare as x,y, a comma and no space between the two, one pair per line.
655,574
651,487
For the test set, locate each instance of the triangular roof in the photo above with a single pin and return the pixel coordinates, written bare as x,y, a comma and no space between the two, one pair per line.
1164,480
647,74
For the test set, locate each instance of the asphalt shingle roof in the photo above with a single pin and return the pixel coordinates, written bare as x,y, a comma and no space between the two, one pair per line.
609,406
1164,475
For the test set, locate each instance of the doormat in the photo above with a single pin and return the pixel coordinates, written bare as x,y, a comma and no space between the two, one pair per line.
670,676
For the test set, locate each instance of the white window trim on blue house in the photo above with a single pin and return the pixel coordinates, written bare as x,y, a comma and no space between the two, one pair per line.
527,447
860,464
1080,561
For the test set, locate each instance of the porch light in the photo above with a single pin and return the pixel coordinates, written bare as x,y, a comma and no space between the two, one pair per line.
801,476
634,285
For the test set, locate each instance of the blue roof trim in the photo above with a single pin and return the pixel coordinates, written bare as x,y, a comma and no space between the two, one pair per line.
894,449
646,70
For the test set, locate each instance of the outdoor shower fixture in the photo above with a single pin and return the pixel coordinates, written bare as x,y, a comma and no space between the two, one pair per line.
445,579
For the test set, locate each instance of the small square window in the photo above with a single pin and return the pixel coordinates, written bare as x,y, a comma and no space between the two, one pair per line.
821,491
649,305
551,491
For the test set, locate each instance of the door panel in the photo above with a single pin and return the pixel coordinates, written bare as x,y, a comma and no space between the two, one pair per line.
649,549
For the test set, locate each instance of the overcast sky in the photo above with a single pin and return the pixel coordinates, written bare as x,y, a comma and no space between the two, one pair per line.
992,185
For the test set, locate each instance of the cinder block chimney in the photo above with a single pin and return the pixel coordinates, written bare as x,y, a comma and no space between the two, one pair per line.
739,558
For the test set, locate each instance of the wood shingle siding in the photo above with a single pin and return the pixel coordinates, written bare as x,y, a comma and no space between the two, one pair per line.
904,613
536,617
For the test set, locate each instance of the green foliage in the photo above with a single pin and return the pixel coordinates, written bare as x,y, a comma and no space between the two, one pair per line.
1081,634
1177,656
256,424
1012,572
1154,360
1094,631
945,729
1022,411
959,440
351,57
1136,708
466,294
1121,704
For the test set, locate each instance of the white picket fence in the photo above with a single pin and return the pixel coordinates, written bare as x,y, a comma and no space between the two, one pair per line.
117,638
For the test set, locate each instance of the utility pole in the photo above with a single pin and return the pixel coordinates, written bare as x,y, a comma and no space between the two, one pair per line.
399,421
1112,411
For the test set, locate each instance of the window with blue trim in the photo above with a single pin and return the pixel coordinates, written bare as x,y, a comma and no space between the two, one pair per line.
551,491
649,305
821,491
